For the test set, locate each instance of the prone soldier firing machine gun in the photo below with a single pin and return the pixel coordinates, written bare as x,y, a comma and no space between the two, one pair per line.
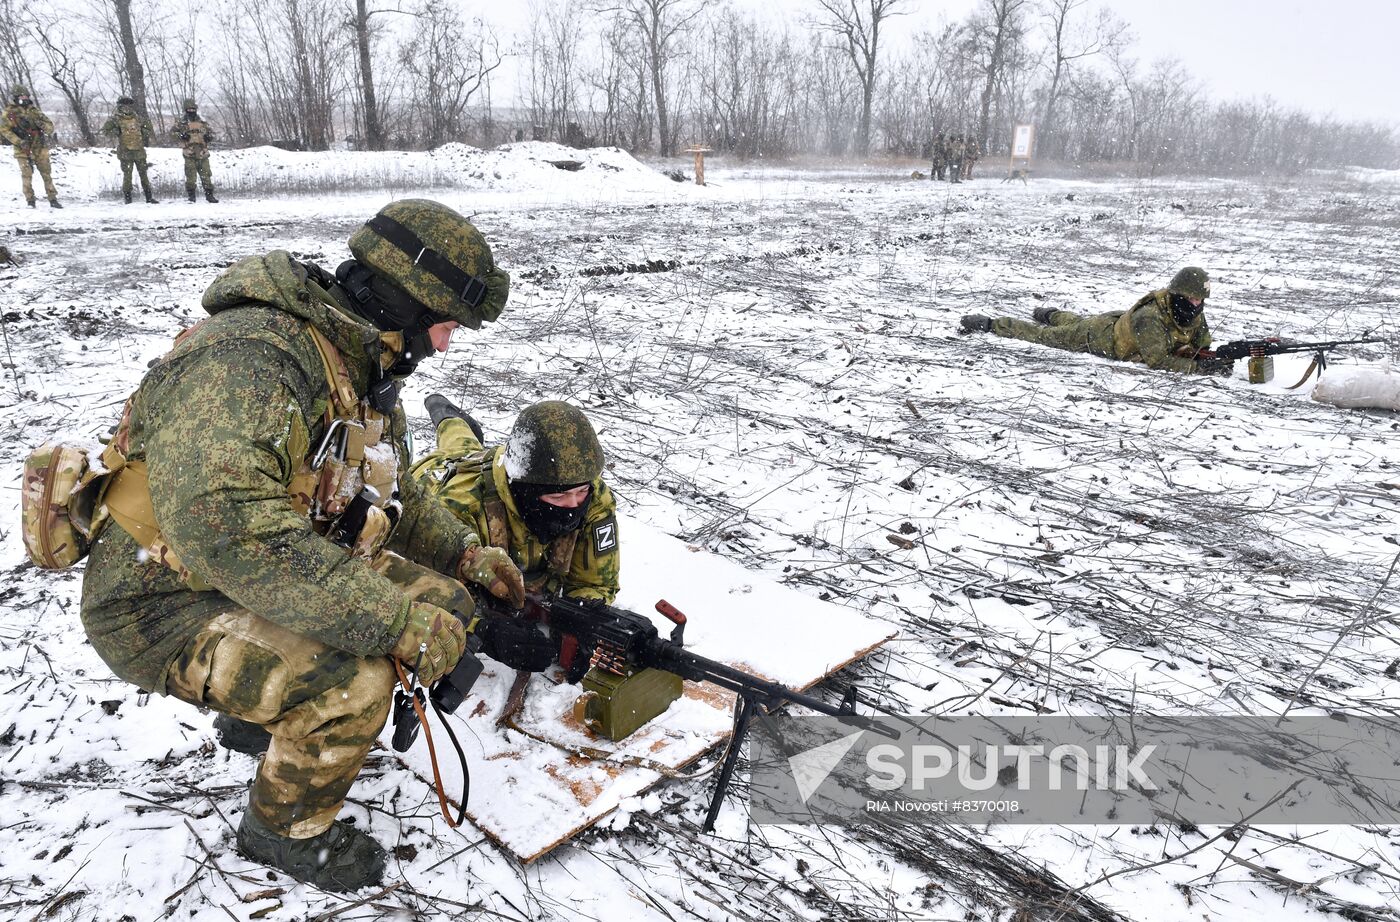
1260,353
615,652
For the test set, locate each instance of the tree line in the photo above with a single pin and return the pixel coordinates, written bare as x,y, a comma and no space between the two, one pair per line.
849,78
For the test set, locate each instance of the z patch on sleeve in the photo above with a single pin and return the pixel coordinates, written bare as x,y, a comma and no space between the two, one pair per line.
605,536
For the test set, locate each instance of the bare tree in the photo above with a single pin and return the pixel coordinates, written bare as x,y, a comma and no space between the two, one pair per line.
1066,46
131,58
63,71
658,24
1001,27
14,63
857,23
450,65
362,27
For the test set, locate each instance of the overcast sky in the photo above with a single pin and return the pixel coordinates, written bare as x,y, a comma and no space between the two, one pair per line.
1336,56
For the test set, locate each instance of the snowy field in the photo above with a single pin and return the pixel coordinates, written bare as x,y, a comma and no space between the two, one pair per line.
773,366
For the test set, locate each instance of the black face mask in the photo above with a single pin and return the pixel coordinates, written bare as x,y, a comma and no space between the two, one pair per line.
547,521
389,308
1183,311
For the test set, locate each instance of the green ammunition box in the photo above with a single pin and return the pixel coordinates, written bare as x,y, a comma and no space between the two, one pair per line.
1261,369
615,706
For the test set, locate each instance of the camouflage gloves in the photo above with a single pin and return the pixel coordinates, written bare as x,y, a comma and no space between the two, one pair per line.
516,643
438,635
492,568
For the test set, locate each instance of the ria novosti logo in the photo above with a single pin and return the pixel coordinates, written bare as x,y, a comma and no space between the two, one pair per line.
1076,770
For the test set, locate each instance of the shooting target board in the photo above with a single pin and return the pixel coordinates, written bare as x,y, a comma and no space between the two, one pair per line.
543,777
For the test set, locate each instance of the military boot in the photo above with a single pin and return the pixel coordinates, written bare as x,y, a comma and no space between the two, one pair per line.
1043,314
241,735
209,196
151,199
976,323
340,859
440,408
31,202
190,193
54,203
126,196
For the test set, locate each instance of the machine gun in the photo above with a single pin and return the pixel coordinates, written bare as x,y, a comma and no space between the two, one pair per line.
1265,348
599,638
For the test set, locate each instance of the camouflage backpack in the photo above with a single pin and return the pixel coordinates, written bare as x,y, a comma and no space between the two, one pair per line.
59,498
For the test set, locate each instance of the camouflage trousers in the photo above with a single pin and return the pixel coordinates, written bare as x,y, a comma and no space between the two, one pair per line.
1067,330
324,707
137,159
198,166
28,161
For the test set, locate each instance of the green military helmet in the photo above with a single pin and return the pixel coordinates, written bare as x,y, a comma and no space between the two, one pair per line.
1191,282
20,91
190,104
437,256
125,101
553,443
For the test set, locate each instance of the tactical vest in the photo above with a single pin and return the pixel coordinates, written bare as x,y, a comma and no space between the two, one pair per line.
1125,341
198,141
353,453
558,555
131,136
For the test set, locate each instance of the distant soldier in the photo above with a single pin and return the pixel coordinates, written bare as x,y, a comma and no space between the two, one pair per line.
956,150
195,135
1164,329
939,155
971,155
132,132
29,130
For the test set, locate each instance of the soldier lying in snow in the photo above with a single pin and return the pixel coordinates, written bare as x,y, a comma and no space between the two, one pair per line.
1164,329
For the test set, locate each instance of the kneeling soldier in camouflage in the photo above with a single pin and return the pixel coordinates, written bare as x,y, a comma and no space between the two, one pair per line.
1164,329
132,132
264,557
540,496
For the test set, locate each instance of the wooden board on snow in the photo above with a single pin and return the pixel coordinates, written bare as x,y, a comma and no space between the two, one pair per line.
531,790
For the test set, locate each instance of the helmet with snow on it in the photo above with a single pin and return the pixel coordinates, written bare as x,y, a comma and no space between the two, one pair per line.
1191,282
553,444
437,257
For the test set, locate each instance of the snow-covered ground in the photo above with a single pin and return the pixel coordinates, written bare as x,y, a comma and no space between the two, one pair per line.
773,365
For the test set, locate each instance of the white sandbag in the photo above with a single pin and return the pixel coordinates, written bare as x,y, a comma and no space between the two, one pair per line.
1366,386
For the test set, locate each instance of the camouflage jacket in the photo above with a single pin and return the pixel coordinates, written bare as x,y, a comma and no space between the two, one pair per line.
27,128
1148,333
194,135
223,423
584,564
129,130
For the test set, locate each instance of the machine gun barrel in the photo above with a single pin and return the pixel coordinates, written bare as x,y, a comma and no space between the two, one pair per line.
1246,348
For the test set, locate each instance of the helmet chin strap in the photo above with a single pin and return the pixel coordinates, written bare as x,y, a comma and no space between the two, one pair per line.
391,310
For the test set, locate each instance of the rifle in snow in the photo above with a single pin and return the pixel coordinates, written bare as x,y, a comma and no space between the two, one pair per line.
1260,348
613,640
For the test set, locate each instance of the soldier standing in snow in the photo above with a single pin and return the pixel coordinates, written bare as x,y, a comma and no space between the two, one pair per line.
247,566
28,129
540,496
939,155
194,135
132,132
955,151
971,154
1164,329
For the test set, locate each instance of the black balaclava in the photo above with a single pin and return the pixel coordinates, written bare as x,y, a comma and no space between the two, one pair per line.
546,520
1183,311
389,308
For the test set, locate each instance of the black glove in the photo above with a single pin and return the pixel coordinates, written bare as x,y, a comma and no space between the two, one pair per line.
516,643
1215,365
